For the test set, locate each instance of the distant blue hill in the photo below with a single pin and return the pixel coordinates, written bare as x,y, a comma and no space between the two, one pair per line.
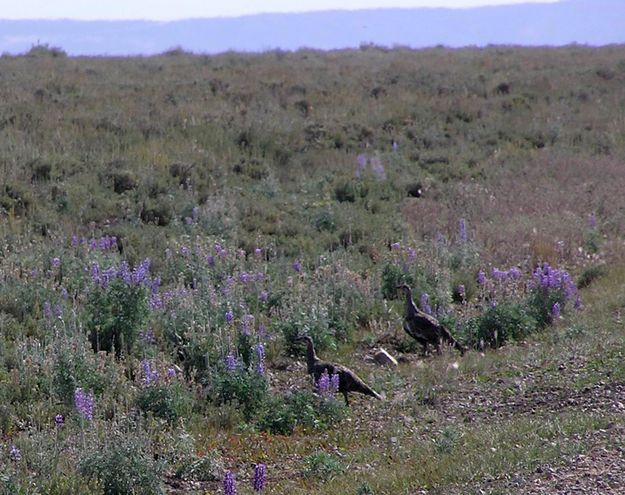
592,22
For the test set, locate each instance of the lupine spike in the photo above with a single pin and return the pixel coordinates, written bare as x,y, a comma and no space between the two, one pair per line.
260,477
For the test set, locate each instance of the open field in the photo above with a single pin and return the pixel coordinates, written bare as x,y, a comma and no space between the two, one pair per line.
189,217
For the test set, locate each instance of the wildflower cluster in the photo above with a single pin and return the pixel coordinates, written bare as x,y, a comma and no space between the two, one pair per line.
150,376
84,403
327,385
375,165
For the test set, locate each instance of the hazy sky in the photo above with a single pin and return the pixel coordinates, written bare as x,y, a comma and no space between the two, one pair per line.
180,9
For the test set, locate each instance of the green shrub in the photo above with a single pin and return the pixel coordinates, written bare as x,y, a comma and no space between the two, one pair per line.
116,314
205,468
499,324
281,415
590,274
392,277
244,386
166,401
123,464
323,466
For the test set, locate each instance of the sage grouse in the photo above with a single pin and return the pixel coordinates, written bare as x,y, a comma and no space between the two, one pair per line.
348,380
424,328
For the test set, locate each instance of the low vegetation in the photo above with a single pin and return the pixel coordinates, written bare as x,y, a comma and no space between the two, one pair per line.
170,226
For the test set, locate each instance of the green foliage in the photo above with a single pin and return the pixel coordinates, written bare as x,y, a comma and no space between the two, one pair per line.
540,303
364,489
168,401
281,415
392,277
323,466
123,464
116,314
245,387
499,324
74,368
205,468
591,274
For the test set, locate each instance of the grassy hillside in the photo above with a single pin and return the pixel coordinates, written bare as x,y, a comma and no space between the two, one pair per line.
170,225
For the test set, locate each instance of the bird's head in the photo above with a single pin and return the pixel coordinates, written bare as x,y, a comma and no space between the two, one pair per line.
404,288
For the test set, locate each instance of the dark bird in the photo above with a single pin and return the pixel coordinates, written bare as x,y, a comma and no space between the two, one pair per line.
348,380
424,328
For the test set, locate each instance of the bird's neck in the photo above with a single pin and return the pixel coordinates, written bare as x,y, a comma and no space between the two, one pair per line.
311,357
410,305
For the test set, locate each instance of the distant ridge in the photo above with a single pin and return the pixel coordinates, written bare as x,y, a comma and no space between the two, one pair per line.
592,22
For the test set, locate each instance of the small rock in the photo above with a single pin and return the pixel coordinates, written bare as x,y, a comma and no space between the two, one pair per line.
384,358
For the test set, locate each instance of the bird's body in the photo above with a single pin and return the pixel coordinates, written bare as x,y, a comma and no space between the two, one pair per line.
348,380
424,328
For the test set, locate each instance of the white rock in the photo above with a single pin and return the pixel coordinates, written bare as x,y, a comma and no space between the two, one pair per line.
384,358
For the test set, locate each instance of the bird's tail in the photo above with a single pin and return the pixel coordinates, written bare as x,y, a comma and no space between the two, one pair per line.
363,388
450,338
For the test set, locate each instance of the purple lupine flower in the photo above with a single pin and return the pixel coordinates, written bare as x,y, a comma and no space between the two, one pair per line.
188,220
247,323
231,362
229,316
499,274
184,250
84,403
261,331
56,262
195,213
64,293
149,375
230,486
155,284
259,276
75,240
107,275
592,221
396,246
219,250
394,146
481,277
555,310
412,254
15,454
578,303
92,244
227,287
462,230
95,272
424,302
263,296
439,238
334,383
377,168
462,292
124,273
362,164
47,310
210,260
259,349
258,252
323,384
58,311
245,278
141,273
147,336
171,372
514,273
260,477
297,266
59,421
